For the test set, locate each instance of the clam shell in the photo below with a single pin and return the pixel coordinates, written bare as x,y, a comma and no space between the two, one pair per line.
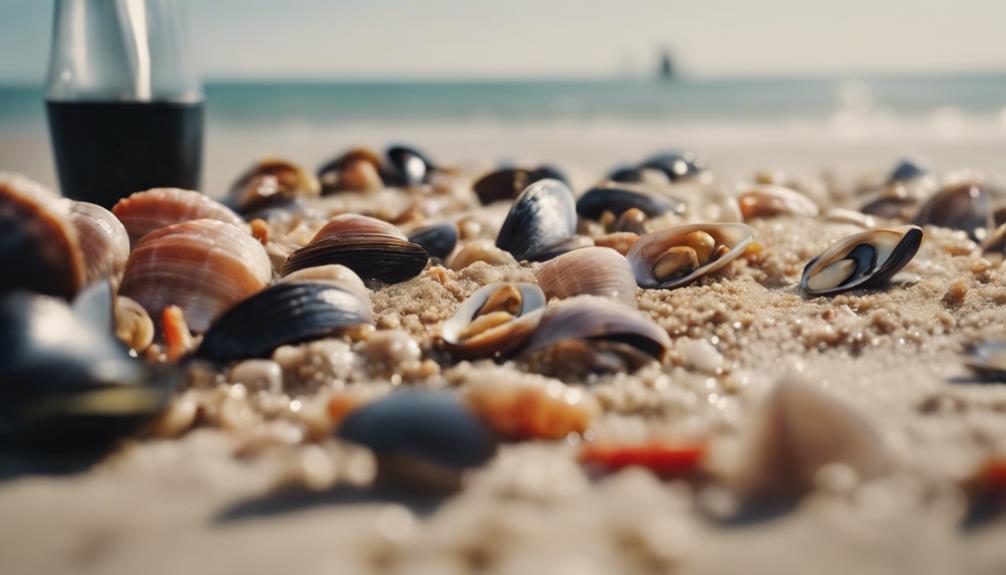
963,206
500,339
203,266
642,254
617,200
508,183
334,274
425,426
543,216
595,318
144,212
39,247
372,248
331,173
103,240
269,182
588,271
438,240
892,249
766,200
67,384
284,313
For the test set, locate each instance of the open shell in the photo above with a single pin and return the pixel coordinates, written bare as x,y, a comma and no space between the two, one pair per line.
508,183
767,200
541,218
285,313
495,340
861,260
270,182
144,212
372,248
589,271
645,252
39,246
596,201
203,266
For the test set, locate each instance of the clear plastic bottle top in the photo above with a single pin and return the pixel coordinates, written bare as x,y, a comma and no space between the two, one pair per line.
122,50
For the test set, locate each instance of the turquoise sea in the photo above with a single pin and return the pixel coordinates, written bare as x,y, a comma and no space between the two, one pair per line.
979,97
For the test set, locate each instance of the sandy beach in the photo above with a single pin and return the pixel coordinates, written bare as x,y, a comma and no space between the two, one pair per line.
196,504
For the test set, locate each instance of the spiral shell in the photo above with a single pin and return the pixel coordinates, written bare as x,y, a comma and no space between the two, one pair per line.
203,266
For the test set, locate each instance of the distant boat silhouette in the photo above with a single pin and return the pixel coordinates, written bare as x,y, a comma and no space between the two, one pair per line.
667,71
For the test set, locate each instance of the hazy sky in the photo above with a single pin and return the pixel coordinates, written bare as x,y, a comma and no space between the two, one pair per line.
464,38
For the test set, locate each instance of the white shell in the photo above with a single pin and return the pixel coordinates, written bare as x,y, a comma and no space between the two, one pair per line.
588,271
767,200
650,246
103,240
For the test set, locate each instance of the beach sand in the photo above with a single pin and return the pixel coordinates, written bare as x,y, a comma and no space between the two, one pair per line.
199,504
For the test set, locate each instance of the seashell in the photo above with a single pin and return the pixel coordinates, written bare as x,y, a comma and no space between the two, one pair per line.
494,320
334,274
270,182
203,266
144,212
675,165
282,314
372,248
891,207
677,255
427,437
995,243
508,183
963,206
103,241
407,166
865,259
765,201
621,242
438,240
480,251
67,385
530,408
357,169
541,218
798,430
595,201
906,170
987,359
844,216
611,336
39,246
133,325
588,271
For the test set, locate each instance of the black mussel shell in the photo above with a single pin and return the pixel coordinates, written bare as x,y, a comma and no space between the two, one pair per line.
65,385
438,240
407,166
596,201
866,274
508,183
674,165
904,171
890,207
372,256
965,206
433,427
625,174
284,313
543,216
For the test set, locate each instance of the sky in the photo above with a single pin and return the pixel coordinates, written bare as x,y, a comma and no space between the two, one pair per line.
458,39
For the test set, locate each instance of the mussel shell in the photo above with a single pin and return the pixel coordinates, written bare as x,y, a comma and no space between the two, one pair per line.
407,166
675,165
433,427
768,200
500,339
508,183
906,170
901,244
595,318
371,256
202,266
588,271
149,210
891,207
438,240
269,182
987,359
963,206
543,216
284,313
65,384
596,201
642,254
626,174
103,241
39,247
328,173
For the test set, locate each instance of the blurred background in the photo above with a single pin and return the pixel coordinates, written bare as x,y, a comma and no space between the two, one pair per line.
587,83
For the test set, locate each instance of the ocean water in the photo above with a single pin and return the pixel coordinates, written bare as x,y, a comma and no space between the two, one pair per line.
936,102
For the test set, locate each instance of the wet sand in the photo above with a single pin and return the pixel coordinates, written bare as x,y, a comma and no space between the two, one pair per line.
206,503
